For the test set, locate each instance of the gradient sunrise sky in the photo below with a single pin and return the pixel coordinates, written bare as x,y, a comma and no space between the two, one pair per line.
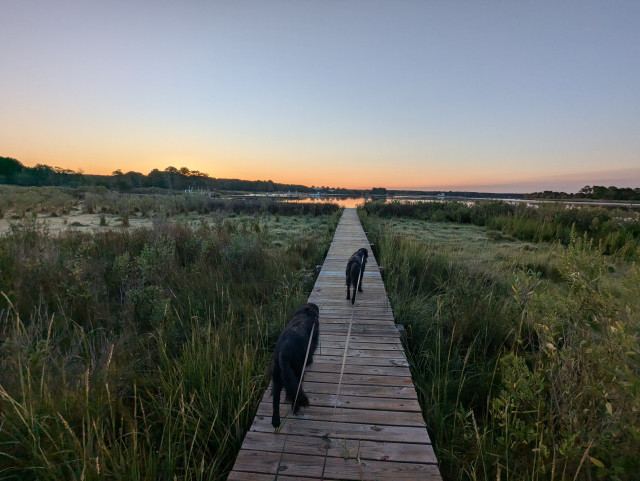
502,96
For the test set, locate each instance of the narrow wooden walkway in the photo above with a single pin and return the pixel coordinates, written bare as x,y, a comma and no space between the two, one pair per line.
377,431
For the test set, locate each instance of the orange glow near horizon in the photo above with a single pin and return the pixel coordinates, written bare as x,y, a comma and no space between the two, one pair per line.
327,175
240,168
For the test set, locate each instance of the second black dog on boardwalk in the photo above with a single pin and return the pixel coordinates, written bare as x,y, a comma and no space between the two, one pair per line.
355,271
288,358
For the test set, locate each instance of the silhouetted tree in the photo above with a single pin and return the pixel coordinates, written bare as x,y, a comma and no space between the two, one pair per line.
9,169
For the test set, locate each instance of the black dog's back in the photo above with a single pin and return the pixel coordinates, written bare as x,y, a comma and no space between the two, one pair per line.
355,270
288,358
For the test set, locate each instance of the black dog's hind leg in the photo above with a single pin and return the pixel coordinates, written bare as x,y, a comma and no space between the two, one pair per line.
348,284
361,276
275,390
291,381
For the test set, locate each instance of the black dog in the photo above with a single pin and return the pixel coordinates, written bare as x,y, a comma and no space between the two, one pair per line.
355,270
288,358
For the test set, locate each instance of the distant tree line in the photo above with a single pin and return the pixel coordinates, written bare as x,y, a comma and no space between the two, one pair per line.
597,192
14,172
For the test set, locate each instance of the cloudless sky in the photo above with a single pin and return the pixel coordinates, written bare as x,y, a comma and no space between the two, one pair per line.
503,96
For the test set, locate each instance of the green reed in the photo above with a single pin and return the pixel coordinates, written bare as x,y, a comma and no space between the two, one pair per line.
615,230
143,353
525,356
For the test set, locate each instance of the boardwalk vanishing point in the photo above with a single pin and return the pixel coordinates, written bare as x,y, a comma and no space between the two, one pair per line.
373,428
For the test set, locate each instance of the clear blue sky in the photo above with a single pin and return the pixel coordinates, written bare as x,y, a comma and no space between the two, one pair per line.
491,96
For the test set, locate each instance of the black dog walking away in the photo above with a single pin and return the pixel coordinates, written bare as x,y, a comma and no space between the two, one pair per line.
288,358
355,270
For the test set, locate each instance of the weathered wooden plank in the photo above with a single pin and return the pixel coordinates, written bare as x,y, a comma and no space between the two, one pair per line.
339,320
364,369
393,361
405,392
347,468
337,329
373,308
345,314
334,447
386,354
303,425
358,379
359,345
339,336
358,402
249,476
349,415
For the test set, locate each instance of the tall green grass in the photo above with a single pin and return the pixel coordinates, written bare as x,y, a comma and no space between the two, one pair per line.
180,204
520,375
142,354
613,230
19,202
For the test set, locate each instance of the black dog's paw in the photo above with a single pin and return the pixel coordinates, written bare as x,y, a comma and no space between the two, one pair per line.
275,421
303,401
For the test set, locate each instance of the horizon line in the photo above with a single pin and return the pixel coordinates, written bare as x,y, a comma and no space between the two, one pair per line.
567,183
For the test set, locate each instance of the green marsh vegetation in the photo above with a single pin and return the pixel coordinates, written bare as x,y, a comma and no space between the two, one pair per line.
22,201
96,208
142,353
523,334
613,230
18,202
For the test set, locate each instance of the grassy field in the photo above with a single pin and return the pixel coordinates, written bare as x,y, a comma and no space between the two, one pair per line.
142,353
525,353
96,209
615,231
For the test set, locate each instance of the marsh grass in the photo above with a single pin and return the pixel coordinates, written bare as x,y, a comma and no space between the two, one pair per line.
173,205
524,354
142,353
95,208
615,231
21,201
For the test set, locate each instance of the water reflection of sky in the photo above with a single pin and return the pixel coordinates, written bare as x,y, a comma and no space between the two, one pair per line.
356,201
341,201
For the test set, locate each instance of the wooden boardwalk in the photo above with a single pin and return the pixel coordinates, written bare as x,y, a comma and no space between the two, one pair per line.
376,432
